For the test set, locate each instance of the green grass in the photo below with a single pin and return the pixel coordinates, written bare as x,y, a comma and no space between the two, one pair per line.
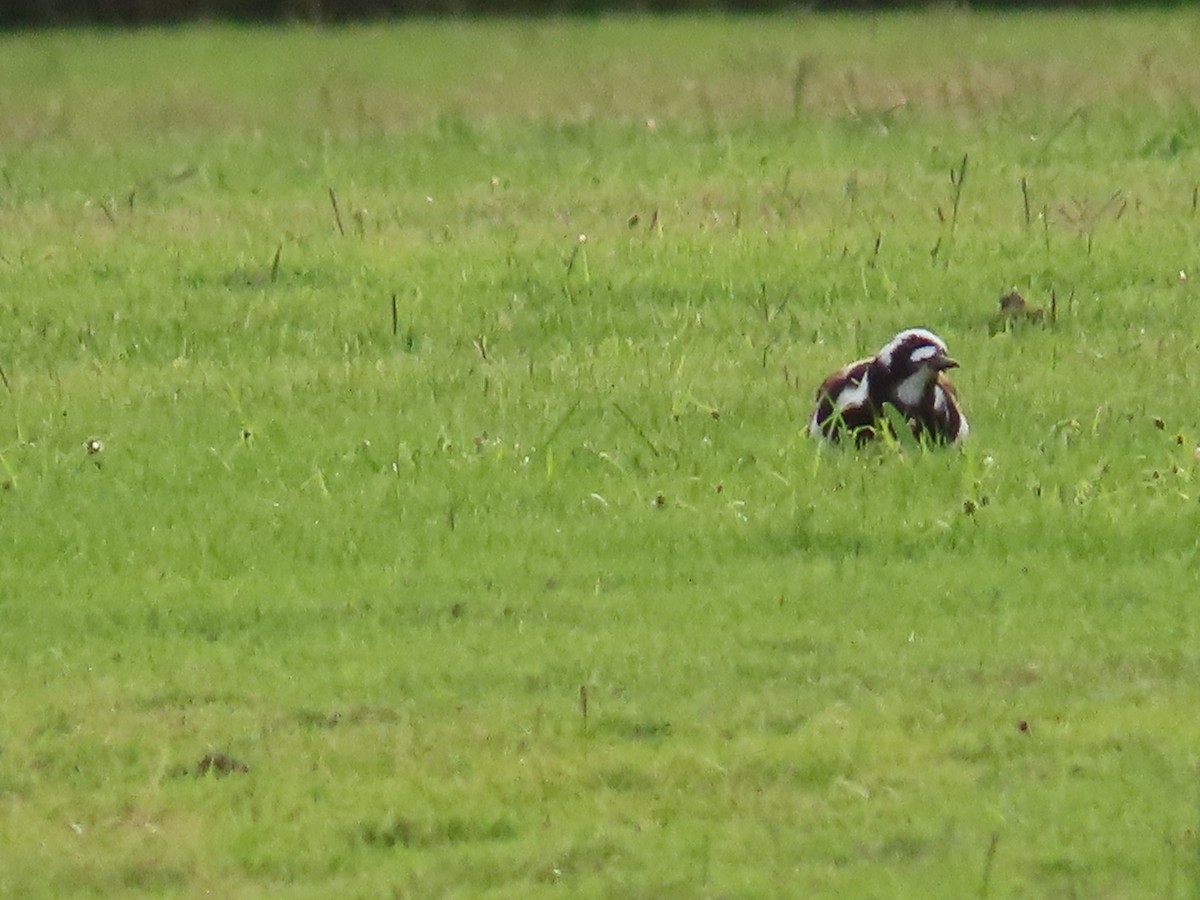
383,567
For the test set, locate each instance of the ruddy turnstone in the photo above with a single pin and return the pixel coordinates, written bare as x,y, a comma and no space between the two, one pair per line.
908,373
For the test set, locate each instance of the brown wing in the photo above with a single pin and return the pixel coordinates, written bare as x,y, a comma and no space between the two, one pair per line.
843,404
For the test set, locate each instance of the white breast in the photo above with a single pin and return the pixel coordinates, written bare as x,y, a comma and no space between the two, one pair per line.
913,389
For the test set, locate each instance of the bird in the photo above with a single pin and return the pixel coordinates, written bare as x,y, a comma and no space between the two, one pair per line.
1014,312
909,374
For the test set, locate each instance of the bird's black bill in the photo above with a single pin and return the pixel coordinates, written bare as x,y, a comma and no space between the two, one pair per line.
945,362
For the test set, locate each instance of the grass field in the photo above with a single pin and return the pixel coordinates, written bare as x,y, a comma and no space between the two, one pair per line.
452,530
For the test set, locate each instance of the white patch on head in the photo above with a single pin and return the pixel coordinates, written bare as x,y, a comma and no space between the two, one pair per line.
923,353
924,336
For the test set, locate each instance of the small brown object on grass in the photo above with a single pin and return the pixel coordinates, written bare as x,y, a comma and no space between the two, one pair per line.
220,765
1015,311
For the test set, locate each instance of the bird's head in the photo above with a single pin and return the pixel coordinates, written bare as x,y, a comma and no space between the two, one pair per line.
912,361
913,349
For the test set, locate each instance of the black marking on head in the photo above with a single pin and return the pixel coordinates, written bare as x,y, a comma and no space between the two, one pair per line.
913,349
